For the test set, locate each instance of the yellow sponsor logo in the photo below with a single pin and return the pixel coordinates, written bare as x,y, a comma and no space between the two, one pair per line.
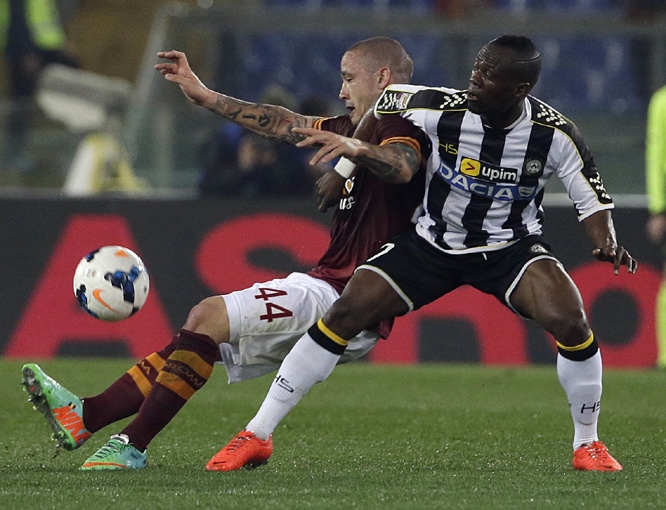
449,148
470,167
487,172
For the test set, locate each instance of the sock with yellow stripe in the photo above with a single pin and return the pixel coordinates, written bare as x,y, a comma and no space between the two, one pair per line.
579,372
125,396
310,361
185,372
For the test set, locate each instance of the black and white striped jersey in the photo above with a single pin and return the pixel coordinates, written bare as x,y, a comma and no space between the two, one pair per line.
484,186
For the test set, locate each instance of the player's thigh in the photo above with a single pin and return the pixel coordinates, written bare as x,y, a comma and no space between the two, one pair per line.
209,317
369,298
415,273
547,294
267,319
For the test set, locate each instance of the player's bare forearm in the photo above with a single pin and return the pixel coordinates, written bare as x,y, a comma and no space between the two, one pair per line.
273,122
270,121
600,228
396,162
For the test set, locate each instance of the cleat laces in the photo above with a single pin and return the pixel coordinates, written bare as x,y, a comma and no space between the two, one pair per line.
595,457
236,444
598,453
109,448
117,453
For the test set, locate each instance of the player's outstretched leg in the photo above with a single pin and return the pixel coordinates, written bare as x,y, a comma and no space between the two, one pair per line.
62,409
244,450
595,457
116,454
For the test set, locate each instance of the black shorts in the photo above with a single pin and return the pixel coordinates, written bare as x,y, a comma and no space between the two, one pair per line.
420,273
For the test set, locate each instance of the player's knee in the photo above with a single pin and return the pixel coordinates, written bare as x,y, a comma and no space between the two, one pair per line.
345,319
209,317
569,327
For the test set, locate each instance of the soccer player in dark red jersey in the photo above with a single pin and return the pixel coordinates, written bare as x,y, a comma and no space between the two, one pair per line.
234,328
494,148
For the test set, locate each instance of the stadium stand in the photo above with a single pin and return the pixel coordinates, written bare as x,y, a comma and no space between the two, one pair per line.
591,74
586,74
308,65
514,5
354,4
557,5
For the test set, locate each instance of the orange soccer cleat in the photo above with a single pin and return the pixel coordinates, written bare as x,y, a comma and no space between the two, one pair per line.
244,450
595,457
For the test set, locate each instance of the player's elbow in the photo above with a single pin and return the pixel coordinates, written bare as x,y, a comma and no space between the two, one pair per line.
408,163
405,175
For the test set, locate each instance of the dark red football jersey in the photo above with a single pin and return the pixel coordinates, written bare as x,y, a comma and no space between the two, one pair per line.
371,211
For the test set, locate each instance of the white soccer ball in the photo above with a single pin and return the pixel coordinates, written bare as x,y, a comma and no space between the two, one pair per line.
111,283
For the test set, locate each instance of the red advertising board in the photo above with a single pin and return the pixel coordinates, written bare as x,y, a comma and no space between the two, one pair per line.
194,248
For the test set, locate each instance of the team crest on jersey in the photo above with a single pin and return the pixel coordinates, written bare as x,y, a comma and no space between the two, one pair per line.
533,167
347,199
349,185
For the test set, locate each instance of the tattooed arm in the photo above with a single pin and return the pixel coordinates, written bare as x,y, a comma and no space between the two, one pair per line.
272,122
393,162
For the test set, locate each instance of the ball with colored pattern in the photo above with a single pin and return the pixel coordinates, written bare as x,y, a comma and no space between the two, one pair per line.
111,283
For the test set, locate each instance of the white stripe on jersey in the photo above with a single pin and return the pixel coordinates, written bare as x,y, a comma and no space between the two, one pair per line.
484,187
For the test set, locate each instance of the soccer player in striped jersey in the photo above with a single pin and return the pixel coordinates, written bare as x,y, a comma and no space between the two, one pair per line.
495,147
253,329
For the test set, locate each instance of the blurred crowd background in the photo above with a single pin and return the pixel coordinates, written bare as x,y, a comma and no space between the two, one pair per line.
82,111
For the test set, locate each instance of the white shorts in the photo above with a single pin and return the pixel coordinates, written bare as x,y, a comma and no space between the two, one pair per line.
267,319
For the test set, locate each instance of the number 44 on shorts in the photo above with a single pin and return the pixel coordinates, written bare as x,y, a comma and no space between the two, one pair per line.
273,311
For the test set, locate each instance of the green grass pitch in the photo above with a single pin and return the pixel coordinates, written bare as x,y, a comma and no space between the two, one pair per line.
384,437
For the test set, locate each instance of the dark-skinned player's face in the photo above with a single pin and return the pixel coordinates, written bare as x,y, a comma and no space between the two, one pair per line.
492,87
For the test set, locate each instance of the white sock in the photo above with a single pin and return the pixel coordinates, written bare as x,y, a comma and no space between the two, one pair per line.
581,381
306,364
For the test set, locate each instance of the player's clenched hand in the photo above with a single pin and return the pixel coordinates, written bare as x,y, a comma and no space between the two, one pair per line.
618,256
329,189
330,145
178,71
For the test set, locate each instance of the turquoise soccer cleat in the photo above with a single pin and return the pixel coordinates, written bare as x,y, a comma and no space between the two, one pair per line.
62,409
116,454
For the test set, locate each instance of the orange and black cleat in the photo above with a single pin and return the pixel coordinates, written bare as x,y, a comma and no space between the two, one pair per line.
245,450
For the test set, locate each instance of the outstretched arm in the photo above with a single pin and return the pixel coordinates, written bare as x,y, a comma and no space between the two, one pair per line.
599,227
272,122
